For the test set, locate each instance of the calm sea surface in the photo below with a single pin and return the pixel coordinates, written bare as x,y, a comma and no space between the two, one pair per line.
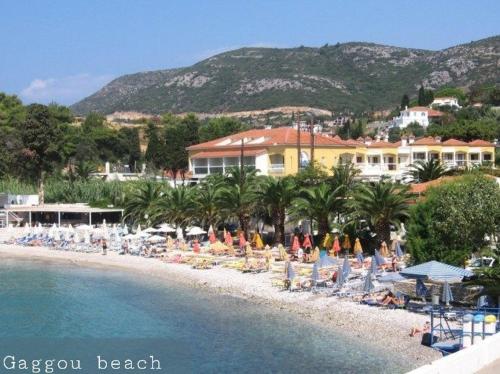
62,309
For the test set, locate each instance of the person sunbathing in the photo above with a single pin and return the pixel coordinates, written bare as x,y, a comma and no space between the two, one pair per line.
425,329
391,299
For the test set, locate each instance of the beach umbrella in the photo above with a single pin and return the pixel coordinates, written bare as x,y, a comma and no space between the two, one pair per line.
228,239
86,237
248,250
315,273
384,251
57,235
196,246
326,261
125,230
130,236
368,286
211,235
360,258
295,244
346,244
156,239
76,238
151,230
282,252
340,278
242,240
420,288
195,230
397,249
290,273
259,244
357,247
326,241
170,242
373,265
336,245
138,230
447,295
67,235
438,271
179,233
379,259
307,243
346,268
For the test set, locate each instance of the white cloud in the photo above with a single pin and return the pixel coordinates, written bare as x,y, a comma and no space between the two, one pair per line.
64,90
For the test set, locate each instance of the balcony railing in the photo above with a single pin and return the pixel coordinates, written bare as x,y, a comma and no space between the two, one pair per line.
277,168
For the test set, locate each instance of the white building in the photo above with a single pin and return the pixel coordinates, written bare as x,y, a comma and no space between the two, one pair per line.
419,114
445,101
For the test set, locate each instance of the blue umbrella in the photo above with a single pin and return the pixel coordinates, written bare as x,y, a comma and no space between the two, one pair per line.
446,296
437,271
373,266
346,268
360,258
399,251
379,259
290,273
340,278
368,285
315,273
421,290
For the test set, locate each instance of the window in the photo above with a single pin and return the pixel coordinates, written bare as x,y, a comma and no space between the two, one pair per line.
304,159
249,161
474,156
419,156
487,157
359,159
375,160
277,159
448,156
215,166
200,166
231,161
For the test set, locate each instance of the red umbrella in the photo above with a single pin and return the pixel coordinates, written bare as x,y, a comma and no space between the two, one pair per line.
228,239
336,245
211,237
307,242
295,244
196,247
243,241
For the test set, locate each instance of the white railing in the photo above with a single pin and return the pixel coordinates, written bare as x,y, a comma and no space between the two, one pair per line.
277,168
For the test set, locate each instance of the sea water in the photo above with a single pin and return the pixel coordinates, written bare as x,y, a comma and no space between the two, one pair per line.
64,311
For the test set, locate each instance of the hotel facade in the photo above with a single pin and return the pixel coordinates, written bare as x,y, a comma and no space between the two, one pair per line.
276,152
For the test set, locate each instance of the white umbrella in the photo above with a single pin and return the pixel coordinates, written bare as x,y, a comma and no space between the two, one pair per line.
86,237
138,231
165,227
83,227
195,230
76,238
179,233
125,230
156,239
210,229
57,235
130,236
151,230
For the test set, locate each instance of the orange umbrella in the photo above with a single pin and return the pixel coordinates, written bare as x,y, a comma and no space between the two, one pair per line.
347,242
243,241
228,240
384,251
259,244
357,247
307,242
295,244
211,237
336,245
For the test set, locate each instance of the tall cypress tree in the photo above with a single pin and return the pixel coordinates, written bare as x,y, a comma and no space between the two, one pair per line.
421,96
405,102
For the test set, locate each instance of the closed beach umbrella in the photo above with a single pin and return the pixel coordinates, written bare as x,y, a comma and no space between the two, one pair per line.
295,244
290,273
420,289
179,233
379,259
211,235
368,285
360,258
86,237
138,230
228,240
336,245
327,241
446,296
282,252
340,278
315,273
196,246
76,238
347,243
307,241
384,251
326,261
346,268
151,230
398,250
125,230
259,244
357,247
242,240
373,266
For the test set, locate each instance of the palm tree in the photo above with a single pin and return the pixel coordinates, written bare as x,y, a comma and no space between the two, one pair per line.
175,206
206,200
275,196
319,203
345,175
237,196
84,169
424,171
381,204
141,202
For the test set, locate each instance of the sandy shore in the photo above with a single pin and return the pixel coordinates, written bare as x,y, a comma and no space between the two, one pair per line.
377,326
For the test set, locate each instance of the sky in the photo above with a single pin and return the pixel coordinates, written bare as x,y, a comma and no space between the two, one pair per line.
64,50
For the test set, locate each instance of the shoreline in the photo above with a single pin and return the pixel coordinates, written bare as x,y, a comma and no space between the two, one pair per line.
387,328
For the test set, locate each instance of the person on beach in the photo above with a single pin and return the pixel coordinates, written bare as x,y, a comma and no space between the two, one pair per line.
104,247
425,329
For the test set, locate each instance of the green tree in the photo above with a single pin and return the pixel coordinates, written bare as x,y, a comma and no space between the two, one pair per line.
405,102
381,204
220,127
154,155
425,171
414,128
206,201
141,203
132,147
175,206
454,220
40,136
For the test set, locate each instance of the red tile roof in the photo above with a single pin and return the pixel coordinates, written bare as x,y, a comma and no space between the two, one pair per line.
428,140
381,144
268,137
481,143
228,153
455,142
430,112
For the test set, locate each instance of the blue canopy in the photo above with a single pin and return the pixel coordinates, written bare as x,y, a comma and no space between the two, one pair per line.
421,290
346,268
315,272
379,259
436,271
446,296
290,273
326,261
398,250
368,285
391,277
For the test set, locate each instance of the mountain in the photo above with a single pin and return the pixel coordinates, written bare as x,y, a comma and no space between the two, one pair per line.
355,76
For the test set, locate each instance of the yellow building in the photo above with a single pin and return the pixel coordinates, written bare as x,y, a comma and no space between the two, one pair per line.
276,152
